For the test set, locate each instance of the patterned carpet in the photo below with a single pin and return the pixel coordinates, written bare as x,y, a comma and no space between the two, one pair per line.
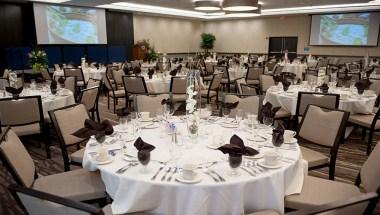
350,158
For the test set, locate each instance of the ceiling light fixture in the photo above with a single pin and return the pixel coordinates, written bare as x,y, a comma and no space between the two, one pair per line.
216,14
208,5
240,5
50,1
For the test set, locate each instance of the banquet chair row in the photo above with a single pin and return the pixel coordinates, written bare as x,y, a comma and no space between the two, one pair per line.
79,185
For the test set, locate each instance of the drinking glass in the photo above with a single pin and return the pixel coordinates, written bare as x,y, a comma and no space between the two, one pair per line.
234,161
226,113
268,121
277,144
144,159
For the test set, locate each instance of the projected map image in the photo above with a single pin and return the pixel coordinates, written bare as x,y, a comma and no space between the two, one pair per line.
344,29
72,25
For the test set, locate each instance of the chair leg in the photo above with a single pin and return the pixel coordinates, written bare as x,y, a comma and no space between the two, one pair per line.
114,105
369,146
97,115
364,133
108,101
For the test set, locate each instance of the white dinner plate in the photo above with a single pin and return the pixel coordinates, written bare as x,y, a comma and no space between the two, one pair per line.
110,159
229,125
258,156
293,140
151,126
256,138
145,120
261,163
197,178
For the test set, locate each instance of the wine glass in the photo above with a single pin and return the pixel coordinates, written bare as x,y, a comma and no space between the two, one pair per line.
277,144
123,125
144,158
234,162
226,113
268,121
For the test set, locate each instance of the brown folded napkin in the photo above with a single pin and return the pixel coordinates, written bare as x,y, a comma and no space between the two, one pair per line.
143,149
228,105
137,71
277,79
278,135
268,111
61,80
122,112
324,87
237,141
166,102
285,84
369,71
363,84
230,149
150,73
173,72
53,85
93,128
14,91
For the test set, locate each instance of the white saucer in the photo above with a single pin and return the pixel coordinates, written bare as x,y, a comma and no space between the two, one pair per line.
258,156
293,140
145,120
197,178
104,162
212,146
229,125
261,163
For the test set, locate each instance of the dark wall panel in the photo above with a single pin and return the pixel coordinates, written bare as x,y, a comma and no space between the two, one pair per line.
73,54
54,54
116,53
97,54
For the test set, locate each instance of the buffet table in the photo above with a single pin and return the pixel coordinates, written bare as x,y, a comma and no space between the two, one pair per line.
134,191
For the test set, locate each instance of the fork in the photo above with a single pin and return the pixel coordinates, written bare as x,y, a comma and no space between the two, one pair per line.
217,174
158,171
167,172
120,171
174,172
213,177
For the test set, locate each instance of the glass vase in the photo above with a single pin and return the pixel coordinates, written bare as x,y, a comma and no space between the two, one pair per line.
193,102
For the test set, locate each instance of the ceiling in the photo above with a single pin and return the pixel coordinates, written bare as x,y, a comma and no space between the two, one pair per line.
184,8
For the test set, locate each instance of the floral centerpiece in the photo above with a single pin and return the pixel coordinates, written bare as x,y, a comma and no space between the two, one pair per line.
37,59
193,102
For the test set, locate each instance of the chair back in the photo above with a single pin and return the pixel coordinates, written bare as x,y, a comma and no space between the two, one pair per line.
3,83
322,63
254,73
89,97
93,83
109,72
108,84
45,74
178,85
71,84
278,69
356,76
13,112
238,83
209,68
249,104
271,65
134,85
370,171
17,159
215,82
149,103
135,64
64,124
222,69
41,203
248,89
323,126
77,72
118,76
266,81
330,101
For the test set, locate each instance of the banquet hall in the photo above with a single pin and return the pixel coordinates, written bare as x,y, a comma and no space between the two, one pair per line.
189,107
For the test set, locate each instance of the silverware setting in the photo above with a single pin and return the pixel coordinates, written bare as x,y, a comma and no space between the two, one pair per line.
125,168
174,172
163,178
158,171
247,171
212,176
217,175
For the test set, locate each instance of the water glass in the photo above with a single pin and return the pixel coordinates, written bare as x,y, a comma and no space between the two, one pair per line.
268,121
234,162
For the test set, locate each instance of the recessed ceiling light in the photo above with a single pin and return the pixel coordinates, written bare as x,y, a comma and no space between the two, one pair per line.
240,5
207,5
241,15
216,14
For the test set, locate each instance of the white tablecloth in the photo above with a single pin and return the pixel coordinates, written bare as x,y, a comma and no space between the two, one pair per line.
288,100
236,73
133,191
87,73
158,84
295,68
63,98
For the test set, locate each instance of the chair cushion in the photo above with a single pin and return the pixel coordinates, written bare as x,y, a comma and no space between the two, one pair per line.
267,212
313,158
119,93
179,97
77,156
207,78
253,82
80,83
204,93
27,129
282,113
224,81
318,191
107,210
364,120
79,185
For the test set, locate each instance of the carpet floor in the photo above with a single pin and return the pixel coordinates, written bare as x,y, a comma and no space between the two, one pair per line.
351,157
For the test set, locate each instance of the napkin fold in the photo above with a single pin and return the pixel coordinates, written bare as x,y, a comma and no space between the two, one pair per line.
285,84
150,73
166,102
277,79
369,71
143,149
122,112
173,72
236,147
278,135
61,81
14,91
137,71
324,87
53,85
228,105
268,111
363,84
93,128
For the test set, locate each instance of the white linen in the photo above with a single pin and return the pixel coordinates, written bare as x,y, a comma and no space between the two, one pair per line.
50,102
296,68
237,72
158,85
87,73
133,191
288,101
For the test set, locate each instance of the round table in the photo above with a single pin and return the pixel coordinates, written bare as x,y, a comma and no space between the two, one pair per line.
288,100
236,73
50,102
296,68
133,191
88,73
158,84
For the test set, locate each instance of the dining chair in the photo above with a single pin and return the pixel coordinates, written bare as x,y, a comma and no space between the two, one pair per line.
271,65
226,81
326,100
135,64
71,84
134,85
311,75
249,104
79,184
149,103
34,202
318,191
64,126
213,88
78,73
113,93
209,68
46,74
4,82
90,98
266,81
354,67
109,73
118,78
25,116
253,75
375,86
178,89
355,76
243,88
329,122
367,122
278,69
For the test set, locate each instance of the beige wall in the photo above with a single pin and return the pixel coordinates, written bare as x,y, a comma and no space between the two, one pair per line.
168,35
173,35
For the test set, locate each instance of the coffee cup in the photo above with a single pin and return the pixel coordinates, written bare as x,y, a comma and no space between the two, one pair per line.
102,155
145,115
289,135
271,158
188,172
